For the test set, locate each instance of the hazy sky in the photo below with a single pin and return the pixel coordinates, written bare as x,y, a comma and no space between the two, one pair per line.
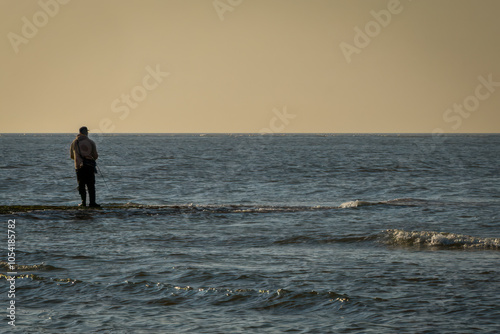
250,65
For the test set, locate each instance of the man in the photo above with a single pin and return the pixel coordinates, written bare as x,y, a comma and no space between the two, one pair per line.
84,152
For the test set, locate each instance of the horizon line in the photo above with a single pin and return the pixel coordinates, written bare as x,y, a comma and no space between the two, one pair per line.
260,133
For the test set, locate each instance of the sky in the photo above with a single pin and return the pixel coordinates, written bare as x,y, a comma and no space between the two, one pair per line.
250,66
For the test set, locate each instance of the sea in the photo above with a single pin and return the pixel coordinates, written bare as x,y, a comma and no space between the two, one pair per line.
250,233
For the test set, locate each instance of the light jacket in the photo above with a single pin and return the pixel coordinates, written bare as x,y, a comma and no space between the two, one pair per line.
87,150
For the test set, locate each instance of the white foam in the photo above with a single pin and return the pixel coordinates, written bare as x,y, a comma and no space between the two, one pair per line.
439,239
355,204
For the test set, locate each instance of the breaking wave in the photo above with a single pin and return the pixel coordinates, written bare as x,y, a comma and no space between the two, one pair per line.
438,239
394,202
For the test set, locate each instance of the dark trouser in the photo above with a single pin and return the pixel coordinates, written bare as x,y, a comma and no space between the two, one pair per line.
86,177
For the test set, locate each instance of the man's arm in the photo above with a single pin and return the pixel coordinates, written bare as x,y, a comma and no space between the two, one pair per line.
94,151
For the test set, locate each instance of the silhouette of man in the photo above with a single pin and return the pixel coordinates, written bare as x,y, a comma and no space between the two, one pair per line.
83,150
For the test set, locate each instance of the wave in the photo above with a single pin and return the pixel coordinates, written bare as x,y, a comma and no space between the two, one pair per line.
438,239
356,204
35,277
165,294
393,202
21,267
324,240
396,237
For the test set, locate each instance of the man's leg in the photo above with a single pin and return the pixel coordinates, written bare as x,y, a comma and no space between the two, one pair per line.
91,187
80,177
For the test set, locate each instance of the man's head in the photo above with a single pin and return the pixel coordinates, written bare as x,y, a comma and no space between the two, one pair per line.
84,130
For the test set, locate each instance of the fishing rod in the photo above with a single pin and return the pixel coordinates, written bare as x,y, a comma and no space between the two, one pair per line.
100,172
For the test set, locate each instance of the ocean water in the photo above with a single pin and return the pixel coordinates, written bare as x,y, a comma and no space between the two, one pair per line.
255,234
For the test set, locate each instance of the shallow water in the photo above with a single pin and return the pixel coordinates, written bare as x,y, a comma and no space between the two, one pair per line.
251,234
